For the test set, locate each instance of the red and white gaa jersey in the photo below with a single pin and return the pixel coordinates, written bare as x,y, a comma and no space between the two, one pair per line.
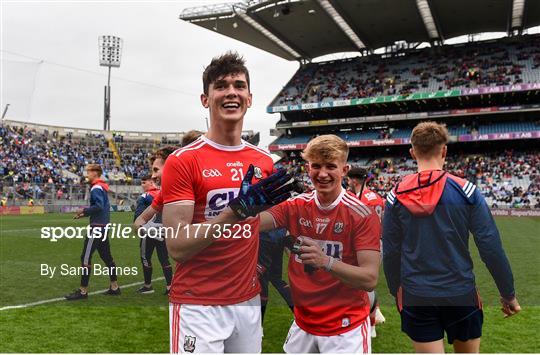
323,304
209,175
373,200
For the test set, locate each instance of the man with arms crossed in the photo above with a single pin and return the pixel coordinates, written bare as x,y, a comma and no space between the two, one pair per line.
428,267
338,260
214,298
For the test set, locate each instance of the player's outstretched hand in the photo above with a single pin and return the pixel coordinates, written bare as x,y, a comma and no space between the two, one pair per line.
253,199
510,307
79,214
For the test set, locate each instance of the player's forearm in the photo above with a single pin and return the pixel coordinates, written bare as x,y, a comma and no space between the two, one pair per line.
499,268
144,217
186,240
363,278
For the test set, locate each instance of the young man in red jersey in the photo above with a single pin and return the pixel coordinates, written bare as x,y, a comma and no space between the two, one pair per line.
151,217
157,162
338,260
207,189
357,184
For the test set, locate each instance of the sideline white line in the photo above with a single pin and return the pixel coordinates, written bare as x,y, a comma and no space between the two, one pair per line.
19,230
63,299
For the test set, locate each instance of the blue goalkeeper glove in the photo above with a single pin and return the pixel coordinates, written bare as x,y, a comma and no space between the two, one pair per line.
253,199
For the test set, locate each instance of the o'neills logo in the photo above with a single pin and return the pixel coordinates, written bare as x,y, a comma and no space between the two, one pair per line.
323,220
384,141
236,164
286,146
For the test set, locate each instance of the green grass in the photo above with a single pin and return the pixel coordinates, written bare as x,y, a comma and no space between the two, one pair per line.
135,323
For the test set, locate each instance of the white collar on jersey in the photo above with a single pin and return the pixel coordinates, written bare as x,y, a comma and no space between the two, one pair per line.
333,204
230,148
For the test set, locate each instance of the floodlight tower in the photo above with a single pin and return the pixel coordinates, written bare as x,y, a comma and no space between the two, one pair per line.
110,53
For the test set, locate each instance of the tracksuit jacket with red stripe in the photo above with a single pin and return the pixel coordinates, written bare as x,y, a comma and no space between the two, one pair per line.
427,220
99,209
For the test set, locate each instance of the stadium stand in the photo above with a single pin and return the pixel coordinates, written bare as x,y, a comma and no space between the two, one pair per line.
424,70
47,163
405,132
507,178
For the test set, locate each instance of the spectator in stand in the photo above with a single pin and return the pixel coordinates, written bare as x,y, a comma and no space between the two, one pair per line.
467,66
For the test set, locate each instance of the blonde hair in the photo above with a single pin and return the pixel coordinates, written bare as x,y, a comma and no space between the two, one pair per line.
95,167
326,148
428,137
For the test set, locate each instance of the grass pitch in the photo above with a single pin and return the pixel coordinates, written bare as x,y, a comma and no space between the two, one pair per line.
139,323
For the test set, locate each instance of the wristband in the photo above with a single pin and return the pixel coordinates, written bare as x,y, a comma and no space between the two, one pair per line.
328,266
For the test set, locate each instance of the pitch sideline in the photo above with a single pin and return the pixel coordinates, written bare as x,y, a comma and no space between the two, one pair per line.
51,300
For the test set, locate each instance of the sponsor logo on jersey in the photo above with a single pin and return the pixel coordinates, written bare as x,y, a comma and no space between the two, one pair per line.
217,200
209,173
338,227
305,222
331,248
236,164
189,343
370,196
258,172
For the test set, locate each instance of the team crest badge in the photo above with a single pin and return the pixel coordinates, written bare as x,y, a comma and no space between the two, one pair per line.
258,172
338,227
189,343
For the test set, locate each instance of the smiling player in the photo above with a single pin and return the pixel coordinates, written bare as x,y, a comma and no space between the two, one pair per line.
338,260
214,298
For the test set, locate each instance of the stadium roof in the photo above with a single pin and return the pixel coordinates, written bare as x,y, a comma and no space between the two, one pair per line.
306,29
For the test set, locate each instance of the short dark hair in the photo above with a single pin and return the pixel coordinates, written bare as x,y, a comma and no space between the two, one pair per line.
146,178
190,137
358,173
228,63
162,153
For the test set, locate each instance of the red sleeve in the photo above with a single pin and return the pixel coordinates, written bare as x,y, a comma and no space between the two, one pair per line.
368,233
176,180
280,213
157,202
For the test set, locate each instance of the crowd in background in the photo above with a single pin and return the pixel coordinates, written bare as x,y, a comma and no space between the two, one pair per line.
506,178
424,70
47,165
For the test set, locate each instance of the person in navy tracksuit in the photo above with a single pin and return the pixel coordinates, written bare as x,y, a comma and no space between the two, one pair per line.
99,214
153,240
428,267
270,265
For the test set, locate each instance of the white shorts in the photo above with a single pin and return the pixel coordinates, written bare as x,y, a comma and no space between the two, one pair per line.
216,329
355,341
